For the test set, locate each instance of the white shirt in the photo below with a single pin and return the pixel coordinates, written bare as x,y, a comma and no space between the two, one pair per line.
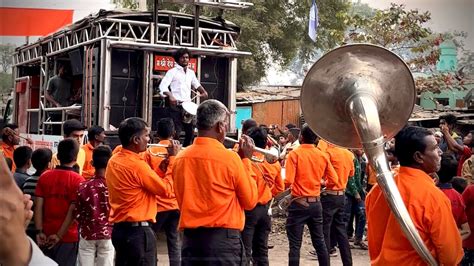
180,83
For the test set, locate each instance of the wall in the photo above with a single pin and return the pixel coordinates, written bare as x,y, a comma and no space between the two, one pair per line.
452,95
277,112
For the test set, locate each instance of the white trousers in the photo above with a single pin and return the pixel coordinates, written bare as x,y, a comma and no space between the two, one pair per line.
96,252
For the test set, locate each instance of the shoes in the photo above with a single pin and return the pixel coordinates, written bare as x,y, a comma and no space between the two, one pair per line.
351,239
361,245
332,252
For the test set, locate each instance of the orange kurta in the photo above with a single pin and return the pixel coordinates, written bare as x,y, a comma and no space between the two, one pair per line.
7,151
343,162
268,179
305,168
430,211
133,187
162,203
322,145
213,186
88,170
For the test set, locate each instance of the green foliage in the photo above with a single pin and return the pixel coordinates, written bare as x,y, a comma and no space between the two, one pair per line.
6,56
6,82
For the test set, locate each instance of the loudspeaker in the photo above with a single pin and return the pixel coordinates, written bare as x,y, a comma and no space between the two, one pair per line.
126,63
76,61
214,77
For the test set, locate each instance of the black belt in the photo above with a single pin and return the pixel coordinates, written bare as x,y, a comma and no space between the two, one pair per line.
133,224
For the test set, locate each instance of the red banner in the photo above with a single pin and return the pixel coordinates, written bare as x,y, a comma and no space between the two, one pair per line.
32,21
165,63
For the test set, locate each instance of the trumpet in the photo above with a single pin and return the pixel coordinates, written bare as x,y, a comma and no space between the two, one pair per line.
271,156
158,154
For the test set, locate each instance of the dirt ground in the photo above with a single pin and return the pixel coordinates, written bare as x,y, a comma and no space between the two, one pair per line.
279,253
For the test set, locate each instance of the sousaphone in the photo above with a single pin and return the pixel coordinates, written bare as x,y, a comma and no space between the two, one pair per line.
358,96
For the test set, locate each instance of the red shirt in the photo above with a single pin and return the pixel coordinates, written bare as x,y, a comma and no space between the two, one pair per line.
468,197
93,209
457,203
58,188
466,153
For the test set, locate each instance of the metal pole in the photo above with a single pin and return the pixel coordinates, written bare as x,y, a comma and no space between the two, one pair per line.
197,13
155,18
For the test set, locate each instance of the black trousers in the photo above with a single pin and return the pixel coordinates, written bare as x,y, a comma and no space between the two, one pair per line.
334,215
176,113
168,221
134,245
258,225
64,254
298,216
212,246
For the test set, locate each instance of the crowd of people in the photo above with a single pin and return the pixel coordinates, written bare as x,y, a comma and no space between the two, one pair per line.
98,206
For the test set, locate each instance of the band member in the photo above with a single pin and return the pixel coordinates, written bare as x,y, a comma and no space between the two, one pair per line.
133,187
246,125
257,221
177,85
10,139
73,129
306,166
167,217
333,202
292,144
213,187
429,209
95,136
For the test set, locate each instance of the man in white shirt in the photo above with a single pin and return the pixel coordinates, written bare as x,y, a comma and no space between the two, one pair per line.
176,86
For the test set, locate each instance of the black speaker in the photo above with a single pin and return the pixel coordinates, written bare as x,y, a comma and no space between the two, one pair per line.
214,77
76,62
126,63
125,91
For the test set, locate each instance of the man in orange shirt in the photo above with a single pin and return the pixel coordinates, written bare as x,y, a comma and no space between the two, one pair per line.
258,221
95,136
133,187
430,210
9,141
306,167
213,187
167,217
333,202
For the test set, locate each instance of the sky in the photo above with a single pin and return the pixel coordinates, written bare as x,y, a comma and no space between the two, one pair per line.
446,15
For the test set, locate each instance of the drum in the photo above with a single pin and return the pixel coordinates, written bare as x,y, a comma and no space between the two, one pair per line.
189,111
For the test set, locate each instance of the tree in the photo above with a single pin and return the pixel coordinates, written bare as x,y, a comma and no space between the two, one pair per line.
406,34
6,56
277,32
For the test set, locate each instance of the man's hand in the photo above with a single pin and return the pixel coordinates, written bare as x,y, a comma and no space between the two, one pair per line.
41,239
172,100
203,94
246,147
15,211
358,198
52,241
174,148
444,129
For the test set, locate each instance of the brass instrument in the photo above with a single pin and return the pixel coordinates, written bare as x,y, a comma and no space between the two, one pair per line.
158,154
271,155
366,91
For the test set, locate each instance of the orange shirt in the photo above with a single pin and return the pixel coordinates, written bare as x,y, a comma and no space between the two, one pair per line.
371,175
133,187
343,162
88,170
268,179
117,149
306,166
322,145
213,186
163,203
430,211
7,151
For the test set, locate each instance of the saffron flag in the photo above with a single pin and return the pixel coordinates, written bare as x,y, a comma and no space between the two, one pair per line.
313,21
32,21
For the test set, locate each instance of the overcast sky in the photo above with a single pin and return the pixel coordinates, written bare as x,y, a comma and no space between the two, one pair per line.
446,15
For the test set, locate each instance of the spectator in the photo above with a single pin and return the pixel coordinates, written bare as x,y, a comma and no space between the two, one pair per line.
95,244
468,244
22,159
41,160
54,206
95,136
446,174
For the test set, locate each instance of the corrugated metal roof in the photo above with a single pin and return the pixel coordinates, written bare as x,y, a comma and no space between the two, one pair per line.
259,94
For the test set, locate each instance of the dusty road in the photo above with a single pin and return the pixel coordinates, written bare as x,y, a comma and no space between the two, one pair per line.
279,253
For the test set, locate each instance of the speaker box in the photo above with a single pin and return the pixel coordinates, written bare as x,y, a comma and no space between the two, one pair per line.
214,77
125,91
76,61
126,63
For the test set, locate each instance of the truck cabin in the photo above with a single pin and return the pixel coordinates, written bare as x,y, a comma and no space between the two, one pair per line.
112,63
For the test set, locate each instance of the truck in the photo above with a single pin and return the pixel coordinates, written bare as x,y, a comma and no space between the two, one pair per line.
115,60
